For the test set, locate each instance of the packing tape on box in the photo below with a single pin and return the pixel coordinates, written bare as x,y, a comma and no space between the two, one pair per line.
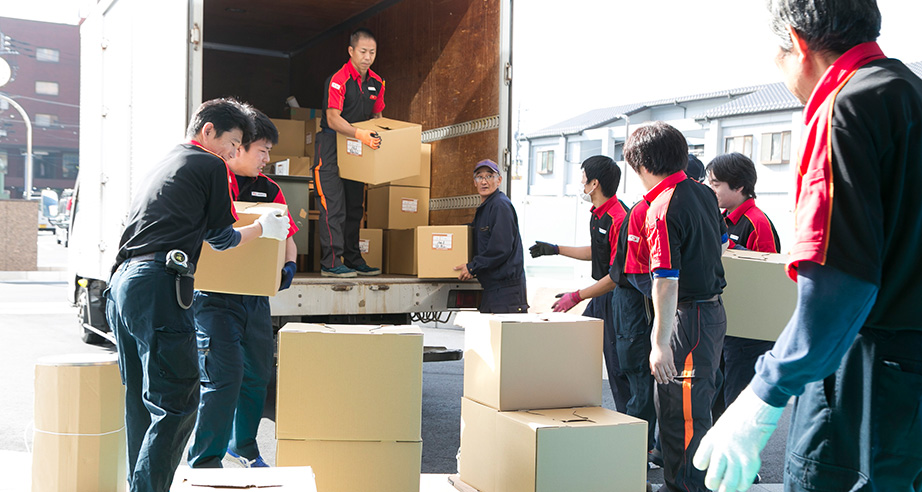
116,431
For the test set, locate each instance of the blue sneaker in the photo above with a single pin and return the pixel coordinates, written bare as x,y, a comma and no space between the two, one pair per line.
342,271
240,460
366,271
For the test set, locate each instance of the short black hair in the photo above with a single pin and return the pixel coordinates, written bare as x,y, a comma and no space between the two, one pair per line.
604,169
359,34
827,26
659,148
265,128
225,114
736,170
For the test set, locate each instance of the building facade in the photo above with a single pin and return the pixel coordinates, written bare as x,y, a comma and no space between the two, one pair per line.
45,60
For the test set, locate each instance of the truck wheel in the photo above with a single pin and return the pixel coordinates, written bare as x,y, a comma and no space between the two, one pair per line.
83,317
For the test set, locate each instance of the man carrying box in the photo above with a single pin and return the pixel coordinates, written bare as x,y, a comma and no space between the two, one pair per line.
354,93
234,332
498,259
183,201
685,234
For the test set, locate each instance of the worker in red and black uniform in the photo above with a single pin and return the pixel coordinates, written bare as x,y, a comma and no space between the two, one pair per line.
851,353
733,179
600,177
686,236
234,332
354,93
498,260
184,200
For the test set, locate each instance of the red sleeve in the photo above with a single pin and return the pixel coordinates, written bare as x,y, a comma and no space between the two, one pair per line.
617,215
280,198
337,90
379,102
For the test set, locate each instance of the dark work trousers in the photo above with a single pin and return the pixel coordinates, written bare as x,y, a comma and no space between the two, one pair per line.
600,307
737,367
634,314
860,429
504,297
341,204
683,407
158,362
236,360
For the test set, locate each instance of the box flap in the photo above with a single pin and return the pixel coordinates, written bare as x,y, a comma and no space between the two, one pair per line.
744,254
299,478
352,329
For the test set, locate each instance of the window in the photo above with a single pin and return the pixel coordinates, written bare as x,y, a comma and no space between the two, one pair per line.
741,144
46,88
776,148
45,119
545,162
47,55
71,165
589,148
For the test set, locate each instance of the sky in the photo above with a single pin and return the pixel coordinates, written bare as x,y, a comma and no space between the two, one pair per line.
573,56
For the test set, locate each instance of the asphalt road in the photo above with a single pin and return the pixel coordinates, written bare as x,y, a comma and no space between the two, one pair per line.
36,320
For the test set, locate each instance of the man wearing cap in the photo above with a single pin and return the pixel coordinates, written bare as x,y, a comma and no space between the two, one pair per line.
498,260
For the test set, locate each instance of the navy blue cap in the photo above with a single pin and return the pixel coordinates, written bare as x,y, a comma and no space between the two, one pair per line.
487,163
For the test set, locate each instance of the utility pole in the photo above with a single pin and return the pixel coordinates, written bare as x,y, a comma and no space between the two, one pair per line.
5,74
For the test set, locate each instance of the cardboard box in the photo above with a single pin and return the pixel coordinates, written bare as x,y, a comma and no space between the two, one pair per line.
397,207
400,251
291,137
425,170
254,268
759,297
79,440
397,158
311,129
349,382
525,361
300,478
477,457
281,479
441,248
350,466
304,114
289,165
371,244
587,449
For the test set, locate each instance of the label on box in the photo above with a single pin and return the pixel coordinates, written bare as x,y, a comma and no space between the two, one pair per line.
308,138
410,205
354,147
281,167
441,241
363,246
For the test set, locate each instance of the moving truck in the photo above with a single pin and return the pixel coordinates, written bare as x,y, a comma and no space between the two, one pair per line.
146,66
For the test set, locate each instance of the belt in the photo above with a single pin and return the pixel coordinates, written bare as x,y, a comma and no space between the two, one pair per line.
159,256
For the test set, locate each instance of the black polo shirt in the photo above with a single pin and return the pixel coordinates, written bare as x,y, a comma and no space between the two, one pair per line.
357,99
604,227
685,232
181,199
750,228
260,189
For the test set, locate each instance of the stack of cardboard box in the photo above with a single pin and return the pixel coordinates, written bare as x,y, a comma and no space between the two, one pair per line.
530,416
349,405
288,156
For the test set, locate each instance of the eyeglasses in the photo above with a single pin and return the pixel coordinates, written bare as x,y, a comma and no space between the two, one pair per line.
484,177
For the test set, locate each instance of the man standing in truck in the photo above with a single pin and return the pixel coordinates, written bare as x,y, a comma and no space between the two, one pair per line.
498,260
851,353
183,201
354,93
234,332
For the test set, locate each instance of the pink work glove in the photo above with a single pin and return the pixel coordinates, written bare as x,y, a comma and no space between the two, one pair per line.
566,302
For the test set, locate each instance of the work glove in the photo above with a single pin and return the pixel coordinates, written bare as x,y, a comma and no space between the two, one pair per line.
730,450
288,273
566,302
274,225
543,249
368,137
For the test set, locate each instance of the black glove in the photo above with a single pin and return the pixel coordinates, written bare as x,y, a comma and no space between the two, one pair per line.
288,273
543,249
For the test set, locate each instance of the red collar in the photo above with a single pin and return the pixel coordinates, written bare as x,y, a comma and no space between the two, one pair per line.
741,210
192,141
605,207
667,182
840,71
354,73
